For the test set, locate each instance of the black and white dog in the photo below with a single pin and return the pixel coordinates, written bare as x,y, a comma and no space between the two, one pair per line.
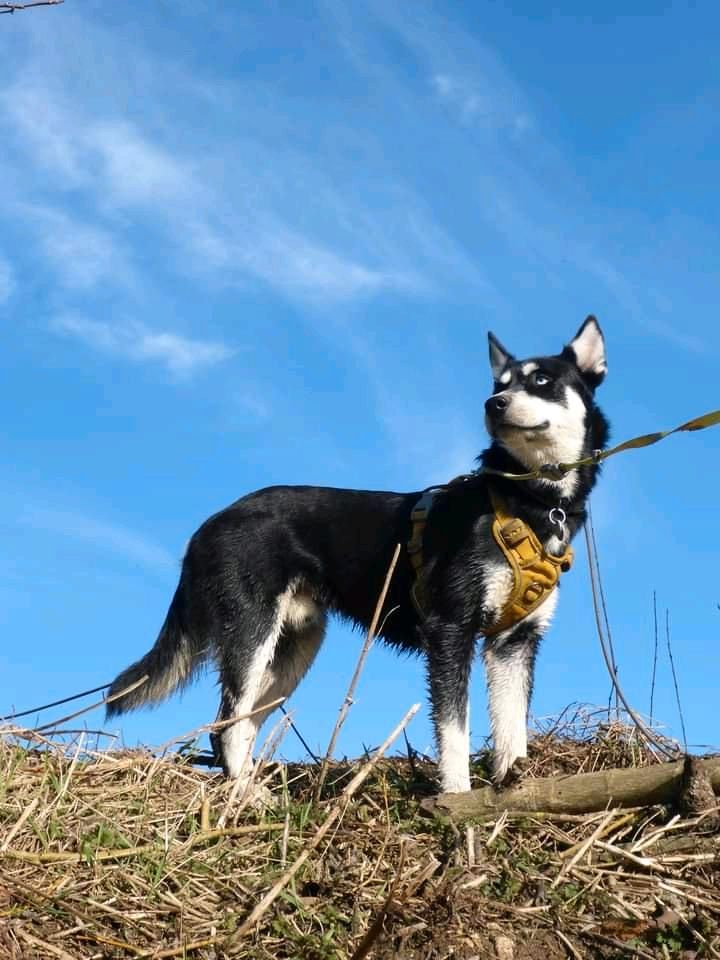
259,577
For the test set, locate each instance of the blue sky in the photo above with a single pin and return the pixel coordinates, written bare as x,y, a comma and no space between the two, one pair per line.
264,243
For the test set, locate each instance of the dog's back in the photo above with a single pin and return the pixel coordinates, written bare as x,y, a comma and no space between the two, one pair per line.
259,577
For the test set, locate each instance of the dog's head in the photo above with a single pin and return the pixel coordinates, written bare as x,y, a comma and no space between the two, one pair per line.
542,410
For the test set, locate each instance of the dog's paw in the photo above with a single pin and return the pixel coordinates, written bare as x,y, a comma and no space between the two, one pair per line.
516,773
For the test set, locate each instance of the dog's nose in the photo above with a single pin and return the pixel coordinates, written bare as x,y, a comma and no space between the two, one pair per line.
496,405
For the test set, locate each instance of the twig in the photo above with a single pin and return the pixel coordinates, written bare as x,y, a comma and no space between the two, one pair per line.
348,701
561,936
94,706
655,655
14,7
18,824
674,676
28,937
582,848
375,929
642,727
215,725
334,815
122,853
605,614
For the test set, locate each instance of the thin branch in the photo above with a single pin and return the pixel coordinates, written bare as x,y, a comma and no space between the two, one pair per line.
14,7
642,727
608,632
674,676
655,655
93,706
348,701
335,813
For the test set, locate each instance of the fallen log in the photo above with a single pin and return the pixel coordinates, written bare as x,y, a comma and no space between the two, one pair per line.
664,783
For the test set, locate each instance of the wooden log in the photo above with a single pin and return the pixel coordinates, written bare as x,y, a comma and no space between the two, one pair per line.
579,793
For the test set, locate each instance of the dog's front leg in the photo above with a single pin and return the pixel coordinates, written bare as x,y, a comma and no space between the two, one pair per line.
450,656
509,665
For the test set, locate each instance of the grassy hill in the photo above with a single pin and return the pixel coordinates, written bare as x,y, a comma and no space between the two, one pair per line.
127,854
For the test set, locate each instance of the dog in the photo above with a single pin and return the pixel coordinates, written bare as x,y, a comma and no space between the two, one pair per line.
259,578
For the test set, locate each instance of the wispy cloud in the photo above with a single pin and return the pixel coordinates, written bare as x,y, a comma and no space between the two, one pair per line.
181,356
475,104
458,93
108,537
7,280
297,266
137,171
83,255
239,206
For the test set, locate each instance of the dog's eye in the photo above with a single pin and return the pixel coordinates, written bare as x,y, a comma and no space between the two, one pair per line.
540,379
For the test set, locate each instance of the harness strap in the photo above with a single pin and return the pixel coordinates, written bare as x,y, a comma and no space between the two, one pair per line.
418,518
535,571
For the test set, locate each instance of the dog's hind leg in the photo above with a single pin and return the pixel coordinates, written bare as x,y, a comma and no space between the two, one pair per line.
509,666
300,640
274,670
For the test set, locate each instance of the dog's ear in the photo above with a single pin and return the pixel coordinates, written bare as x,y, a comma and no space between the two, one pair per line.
499,357
587,352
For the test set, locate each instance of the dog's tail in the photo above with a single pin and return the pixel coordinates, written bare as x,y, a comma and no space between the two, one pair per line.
170,664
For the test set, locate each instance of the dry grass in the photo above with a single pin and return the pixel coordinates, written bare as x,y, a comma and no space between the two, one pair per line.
130,854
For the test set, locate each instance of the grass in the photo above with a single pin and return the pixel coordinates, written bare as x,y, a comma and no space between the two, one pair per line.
131,854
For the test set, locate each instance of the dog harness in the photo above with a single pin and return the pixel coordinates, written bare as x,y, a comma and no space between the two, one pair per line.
535,571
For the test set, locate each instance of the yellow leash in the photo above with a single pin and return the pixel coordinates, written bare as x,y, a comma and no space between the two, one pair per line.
535,572
556,471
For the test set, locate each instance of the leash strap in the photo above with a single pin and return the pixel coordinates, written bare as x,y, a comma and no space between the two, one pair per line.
556,471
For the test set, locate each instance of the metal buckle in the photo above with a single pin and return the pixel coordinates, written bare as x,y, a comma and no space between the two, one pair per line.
558,517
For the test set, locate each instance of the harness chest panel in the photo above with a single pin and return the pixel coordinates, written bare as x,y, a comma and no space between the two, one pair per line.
535,571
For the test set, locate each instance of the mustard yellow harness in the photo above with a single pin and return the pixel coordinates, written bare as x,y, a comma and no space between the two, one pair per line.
535,571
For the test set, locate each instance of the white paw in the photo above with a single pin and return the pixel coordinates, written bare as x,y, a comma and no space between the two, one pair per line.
455,783
504,764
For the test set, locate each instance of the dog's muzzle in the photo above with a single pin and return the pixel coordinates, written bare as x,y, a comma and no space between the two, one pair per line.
496,408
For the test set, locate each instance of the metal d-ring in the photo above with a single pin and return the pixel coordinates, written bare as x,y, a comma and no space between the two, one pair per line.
558,516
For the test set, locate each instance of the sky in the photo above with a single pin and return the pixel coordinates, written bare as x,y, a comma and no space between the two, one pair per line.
246,244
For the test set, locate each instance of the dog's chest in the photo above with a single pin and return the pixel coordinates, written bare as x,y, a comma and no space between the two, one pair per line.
497,579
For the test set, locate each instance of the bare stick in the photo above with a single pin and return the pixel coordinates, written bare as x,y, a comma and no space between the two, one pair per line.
217,725
644,730
14,7
366,944
93,706
674,676
655,656
336,812
348,701
608,632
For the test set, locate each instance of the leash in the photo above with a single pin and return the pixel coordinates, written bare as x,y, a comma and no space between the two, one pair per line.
525,563
556,471
608,654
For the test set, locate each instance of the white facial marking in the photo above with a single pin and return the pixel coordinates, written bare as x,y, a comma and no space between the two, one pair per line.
505,377
589,349
454,751
528,368
560,442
